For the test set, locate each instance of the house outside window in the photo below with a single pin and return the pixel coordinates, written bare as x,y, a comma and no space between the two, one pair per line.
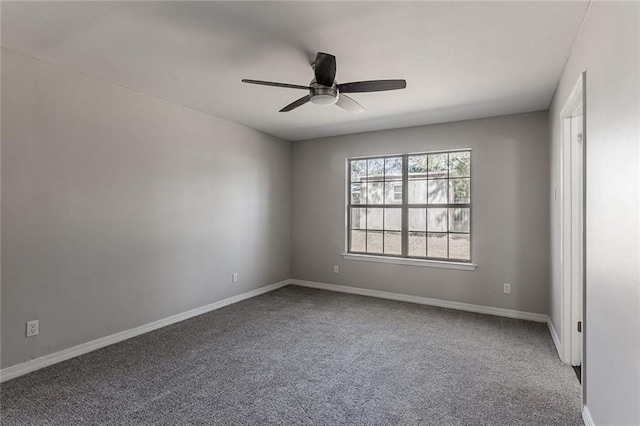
411,206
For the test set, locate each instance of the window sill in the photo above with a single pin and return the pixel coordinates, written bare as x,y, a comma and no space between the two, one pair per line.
412,262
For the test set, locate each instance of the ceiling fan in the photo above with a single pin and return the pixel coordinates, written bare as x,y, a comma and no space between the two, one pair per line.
324,90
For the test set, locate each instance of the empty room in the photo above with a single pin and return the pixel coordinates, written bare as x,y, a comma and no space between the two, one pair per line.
320,213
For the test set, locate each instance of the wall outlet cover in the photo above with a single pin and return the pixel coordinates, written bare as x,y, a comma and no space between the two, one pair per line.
33,328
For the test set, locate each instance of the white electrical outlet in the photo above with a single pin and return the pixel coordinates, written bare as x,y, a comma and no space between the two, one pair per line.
336,269
33,328
507,288
234,277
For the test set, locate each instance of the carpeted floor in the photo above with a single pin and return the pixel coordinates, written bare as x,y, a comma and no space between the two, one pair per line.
299,356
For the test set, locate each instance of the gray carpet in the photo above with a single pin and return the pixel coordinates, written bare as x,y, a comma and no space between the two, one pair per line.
299,356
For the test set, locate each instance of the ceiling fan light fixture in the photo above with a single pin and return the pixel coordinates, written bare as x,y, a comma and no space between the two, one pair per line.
323,95
324,99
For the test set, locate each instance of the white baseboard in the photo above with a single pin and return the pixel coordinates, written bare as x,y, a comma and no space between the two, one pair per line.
556,339
586,417
481,309
38,363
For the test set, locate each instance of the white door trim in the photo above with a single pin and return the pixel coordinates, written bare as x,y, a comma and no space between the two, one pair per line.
570,240
577,240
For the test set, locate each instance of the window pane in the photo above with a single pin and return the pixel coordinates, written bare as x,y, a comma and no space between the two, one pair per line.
437,220
393,192
374,241
358,241
375,192
460,246
358,218
375,169
459,220
417,220
459,191
437,245
358,196
437,165
417,192
358,170
392,243
460,164
393,168
417,244
374,218
393,219
417,165
437,191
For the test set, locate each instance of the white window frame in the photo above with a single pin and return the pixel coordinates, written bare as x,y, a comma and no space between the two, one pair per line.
404,258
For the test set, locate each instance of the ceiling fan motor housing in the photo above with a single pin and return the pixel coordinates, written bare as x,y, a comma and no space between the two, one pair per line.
323,95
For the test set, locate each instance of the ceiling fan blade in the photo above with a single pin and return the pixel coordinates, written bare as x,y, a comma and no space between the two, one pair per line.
325,69
349,104
372,86
271,83
295,104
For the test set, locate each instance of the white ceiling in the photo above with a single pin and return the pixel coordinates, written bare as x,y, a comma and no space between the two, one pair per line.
461,60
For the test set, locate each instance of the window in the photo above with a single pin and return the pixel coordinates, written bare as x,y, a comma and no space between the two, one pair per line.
411,206
397,192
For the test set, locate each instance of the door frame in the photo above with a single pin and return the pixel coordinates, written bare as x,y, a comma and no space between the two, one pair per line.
575,102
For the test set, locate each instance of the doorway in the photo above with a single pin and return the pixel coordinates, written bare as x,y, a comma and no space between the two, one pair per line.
573,229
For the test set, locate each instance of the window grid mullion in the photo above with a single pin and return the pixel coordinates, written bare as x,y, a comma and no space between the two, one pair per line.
426,228
405,202
448,200
349,208
366,212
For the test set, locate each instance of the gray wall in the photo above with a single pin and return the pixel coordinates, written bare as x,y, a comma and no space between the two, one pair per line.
510,181
120,209
608,49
